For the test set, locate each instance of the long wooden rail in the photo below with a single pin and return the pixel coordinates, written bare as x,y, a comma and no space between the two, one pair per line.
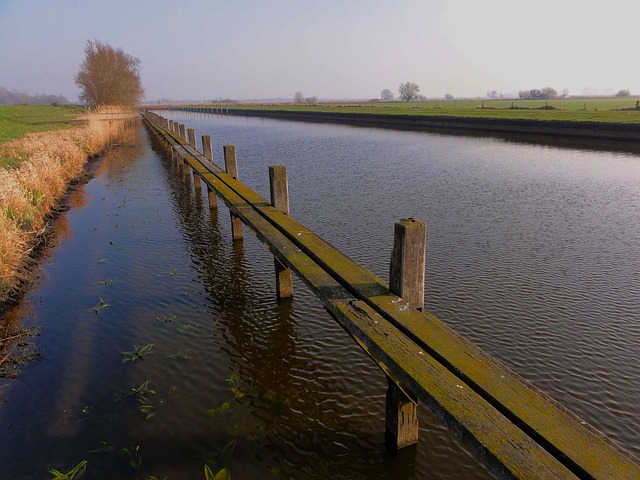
516,430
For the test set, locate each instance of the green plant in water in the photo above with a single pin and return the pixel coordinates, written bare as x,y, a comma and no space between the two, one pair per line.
181,355
238,387
186,327
221,475
221,455
103,447
224,407
86,413
140,393
102,304
166,319
101,261
107,283
73,474
135,459
137,353
148,411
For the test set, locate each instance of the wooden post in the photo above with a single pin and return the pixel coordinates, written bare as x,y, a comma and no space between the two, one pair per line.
401,418
192,137
232,169
408,259
183,136
279,188
406,279
207,149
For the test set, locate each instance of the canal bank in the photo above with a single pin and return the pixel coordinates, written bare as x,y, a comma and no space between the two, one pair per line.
592,131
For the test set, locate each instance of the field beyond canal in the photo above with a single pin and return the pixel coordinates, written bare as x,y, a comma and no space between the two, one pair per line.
607,110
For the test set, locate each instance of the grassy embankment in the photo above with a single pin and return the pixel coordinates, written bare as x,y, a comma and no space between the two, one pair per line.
17,121
39,156
609,110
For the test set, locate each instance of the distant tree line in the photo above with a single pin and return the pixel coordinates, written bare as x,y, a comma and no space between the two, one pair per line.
299,97
535,94
14,97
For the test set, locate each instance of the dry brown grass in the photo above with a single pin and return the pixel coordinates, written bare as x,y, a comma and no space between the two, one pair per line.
50,160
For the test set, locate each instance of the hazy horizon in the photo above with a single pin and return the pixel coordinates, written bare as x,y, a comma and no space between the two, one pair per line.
199,49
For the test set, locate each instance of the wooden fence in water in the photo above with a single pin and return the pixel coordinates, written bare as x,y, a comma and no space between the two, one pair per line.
515,429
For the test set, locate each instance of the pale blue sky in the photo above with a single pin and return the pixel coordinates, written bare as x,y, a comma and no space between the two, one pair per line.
199,49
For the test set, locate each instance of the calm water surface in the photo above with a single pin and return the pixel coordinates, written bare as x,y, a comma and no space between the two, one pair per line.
532,254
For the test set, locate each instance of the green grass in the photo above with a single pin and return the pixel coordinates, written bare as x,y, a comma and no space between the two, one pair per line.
18,120
607,110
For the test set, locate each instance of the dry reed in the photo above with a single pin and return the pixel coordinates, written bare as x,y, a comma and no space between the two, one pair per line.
28,193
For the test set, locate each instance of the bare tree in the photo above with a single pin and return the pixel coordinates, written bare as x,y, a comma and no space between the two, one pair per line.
298,97
408,91
623,93
386,95
108,76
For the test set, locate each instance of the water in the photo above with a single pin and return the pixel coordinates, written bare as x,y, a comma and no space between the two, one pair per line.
531,253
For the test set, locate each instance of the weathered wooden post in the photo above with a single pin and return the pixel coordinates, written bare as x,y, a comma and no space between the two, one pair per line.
408,260
207,150
192,143
406,279
182,134
232,169
192,137
279,187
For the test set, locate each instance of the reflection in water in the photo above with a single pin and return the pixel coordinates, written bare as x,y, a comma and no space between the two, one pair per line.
526,244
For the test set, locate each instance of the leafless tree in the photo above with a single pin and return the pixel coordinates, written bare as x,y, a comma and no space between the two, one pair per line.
386,95
298,97
108,76
408,91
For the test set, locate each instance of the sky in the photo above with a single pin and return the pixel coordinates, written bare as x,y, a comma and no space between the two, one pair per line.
331,49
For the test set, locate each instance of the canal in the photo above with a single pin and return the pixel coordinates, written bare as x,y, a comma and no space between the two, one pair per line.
165,349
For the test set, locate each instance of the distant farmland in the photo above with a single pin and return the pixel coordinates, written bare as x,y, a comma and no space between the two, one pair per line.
609,110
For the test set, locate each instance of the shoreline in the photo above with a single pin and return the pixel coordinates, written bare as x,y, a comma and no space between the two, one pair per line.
592,131
35,193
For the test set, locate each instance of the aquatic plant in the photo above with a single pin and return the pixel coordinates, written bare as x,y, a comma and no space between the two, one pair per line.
137,353
140,393
221,475
102,304
166,319
73,474
148,410
185,327
238,387
221,455
225,406
107,283
101,261
181,355
135,459
103,447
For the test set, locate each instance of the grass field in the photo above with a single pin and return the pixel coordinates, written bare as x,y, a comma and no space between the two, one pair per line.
16,121
609,110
